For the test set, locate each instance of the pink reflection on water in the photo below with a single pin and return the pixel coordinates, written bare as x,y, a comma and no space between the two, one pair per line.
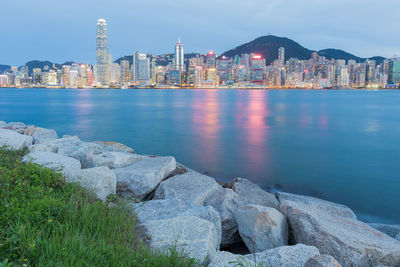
83,109
251,117
206,125
323,121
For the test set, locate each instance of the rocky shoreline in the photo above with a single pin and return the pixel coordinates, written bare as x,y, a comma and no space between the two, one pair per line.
179,207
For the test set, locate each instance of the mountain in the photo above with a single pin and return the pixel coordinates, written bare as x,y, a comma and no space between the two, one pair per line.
332,53
268,47
43,65
3,68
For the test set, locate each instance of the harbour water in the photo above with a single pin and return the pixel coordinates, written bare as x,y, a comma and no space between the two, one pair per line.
339,145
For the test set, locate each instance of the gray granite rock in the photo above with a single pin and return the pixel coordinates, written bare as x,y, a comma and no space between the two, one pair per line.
390,229
82,151
14,140
322,260
116,159
169,208
18,127
285,256
69,167
225,201
40,135
45,147
195,237
99,180
192,188
251,193
227,259
142,177
261,227
335,231
114,147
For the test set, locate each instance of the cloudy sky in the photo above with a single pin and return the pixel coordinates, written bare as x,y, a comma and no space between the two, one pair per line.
66,30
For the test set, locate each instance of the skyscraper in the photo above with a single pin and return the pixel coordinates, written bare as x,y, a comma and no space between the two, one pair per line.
102,62
141,69
179,56
281,56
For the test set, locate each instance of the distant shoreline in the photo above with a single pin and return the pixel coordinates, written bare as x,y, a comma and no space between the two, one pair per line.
205,88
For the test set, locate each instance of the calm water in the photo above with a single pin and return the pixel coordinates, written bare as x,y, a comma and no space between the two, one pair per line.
342,146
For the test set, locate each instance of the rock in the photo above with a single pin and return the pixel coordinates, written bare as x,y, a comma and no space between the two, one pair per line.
261,227
69,167
99,180
192,188
196,237
116,159
335,231
390,230
227,259
397,237
14,140
322,260
18,127
225,202
40,135
45,147
142,177
250,193
168,208
285,256
114,147
75,148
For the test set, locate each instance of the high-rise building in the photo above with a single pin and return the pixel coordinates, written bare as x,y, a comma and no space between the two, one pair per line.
141,69
125,73
281,56
102,57
394,71
179,56
211,59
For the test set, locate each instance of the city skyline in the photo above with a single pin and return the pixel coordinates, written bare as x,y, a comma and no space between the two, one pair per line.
342,25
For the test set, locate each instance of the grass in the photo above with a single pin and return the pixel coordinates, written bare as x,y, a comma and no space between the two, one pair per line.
46,222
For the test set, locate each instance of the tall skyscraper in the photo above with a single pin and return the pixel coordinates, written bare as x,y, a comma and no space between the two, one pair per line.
179,56
102,61
141,69
394,71
281,55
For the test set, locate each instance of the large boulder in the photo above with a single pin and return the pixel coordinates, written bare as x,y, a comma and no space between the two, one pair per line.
225,201
99,180
322,260
195,237
40,135
390,230
82,151
285,256
18,127
14,140
69,167
335,231
169,208
192,188
45,147
227,259
250,193
142,177
116,159
114,147
261,227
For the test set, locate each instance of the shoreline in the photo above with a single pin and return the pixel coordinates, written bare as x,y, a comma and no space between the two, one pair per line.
171,201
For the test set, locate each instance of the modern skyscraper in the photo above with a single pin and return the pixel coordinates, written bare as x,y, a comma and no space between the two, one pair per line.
179,56
281,56
394,71
141,69
102,62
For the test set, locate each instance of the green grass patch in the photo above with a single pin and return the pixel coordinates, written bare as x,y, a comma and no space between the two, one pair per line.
46,222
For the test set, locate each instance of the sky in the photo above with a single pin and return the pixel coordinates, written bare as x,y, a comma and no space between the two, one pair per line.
60,31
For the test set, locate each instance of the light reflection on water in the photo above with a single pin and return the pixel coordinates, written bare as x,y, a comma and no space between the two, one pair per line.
343,146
